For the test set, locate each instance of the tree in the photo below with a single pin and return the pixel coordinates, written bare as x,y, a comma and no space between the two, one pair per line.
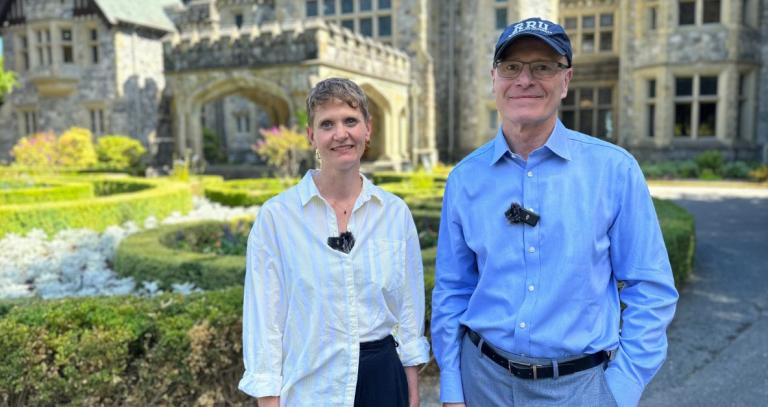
7,81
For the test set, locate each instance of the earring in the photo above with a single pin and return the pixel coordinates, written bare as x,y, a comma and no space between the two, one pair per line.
317,157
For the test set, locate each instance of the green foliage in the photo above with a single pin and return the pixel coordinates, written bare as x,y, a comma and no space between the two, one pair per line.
177,254
284,149
710,160
116,204
7,81
37,150
213,151
75,148
759,174
227,239
50,191
677,226
168,350
119,152
735,170
247,192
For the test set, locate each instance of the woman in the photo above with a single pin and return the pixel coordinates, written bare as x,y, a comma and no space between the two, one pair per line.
334,280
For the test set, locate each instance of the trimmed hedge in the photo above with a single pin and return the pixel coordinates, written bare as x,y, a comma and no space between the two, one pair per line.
47,191
149,256
246,192
679,232
168,350
120,199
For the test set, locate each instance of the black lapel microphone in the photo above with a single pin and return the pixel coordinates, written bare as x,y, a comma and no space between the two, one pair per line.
344,243
517,214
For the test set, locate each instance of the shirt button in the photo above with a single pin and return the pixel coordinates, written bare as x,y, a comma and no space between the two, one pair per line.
531,249
531,287
522,325
530,174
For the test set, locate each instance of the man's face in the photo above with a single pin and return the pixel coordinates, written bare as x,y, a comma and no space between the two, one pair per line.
526,100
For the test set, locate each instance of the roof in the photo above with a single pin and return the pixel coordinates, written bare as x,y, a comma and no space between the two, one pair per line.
145,13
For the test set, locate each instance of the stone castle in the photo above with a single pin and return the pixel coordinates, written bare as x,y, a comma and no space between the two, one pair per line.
665,79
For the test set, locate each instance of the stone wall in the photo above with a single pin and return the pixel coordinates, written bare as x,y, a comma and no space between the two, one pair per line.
140,80
762,101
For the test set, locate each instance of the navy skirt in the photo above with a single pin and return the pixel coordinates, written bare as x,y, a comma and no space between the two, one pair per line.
381,378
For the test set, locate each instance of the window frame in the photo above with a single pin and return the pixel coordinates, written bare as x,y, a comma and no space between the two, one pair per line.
695,100
354,18
595,108
597,31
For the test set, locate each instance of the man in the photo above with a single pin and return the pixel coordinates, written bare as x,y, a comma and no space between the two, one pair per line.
538,227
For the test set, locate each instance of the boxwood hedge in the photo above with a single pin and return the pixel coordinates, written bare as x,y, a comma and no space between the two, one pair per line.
150,256
246,192
119,199
45,191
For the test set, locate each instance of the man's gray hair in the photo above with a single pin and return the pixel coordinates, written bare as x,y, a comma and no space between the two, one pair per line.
336,88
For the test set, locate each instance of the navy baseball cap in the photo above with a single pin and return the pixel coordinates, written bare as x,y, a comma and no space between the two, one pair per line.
553,34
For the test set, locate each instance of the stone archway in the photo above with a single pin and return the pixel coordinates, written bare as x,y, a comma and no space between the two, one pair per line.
193,93
380,111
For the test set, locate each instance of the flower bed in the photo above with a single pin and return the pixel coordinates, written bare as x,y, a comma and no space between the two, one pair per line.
185,253
120,199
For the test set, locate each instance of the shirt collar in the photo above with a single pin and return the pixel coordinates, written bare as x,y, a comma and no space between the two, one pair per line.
308,190
557,142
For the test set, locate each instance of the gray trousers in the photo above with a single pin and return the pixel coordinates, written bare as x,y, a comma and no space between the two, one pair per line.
487,384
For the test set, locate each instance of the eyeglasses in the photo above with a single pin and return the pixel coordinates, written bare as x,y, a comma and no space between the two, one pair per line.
539,69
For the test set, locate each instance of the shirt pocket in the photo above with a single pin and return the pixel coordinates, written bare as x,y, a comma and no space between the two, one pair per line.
386,263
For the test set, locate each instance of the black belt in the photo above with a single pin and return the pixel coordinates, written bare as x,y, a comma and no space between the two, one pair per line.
532,371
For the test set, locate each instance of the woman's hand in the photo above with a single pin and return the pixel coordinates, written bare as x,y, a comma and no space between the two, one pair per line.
271,401
412,375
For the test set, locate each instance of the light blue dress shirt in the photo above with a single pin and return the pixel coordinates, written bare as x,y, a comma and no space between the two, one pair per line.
550,290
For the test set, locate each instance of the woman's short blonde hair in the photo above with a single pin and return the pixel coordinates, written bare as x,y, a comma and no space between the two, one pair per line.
336,88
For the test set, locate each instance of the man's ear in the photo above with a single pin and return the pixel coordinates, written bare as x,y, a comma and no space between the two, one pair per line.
566,81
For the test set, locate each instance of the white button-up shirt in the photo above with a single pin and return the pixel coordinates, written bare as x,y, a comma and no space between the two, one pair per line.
307,306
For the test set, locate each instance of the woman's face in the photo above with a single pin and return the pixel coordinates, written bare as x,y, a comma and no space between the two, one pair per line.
339,133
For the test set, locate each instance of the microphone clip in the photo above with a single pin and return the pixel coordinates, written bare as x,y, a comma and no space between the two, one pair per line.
344,243
517,214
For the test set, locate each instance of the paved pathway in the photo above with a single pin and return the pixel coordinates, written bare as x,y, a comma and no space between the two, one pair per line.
718,342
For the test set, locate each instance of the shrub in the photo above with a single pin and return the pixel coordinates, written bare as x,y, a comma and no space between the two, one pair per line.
688,169
213,151
167,350
736,170
246,192
677,226
284,149
48,192
119,152
176,254
75,148
37,150
121,200
759,174
711,160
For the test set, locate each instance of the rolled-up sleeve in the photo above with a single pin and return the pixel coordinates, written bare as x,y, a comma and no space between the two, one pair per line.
263,312
414,347
455,281
639,259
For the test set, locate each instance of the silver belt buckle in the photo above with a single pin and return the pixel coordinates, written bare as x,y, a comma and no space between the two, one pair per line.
532,366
